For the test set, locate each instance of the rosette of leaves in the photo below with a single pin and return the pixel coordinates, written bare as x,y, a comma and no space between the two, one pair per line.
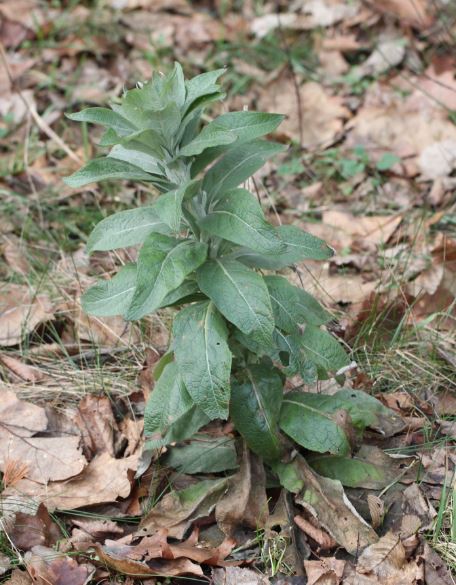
206,247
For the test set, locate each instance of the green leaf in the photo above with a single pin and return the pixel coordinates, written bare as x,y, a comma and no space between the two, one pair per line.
211,135
238,217
100,169
293,306
171,415
137,157
104,117
240,295
294,358
147,141
125,228
367,411
370,468
203,357
255,410
113,296
163,264
187,291
388,160
169,205
314,423
201,86
300,245
174,89
245,126
237,165
323,349
203,454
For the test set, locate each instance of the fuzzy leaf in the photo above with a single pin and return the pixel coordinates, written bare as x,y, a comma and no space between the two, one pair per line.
255,410
294,358
245,126
237,165
104,168
137,157
104,117
313,421
323,349
125,228
201,86
211,135
187,291
238,217
171,415
293,306
300,245
203,454
240,295
203,357
113,296
163,264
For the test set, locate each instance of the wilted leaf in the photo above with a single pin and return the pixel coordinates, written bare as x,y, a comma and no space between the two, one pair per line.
46,566
30,530
21,310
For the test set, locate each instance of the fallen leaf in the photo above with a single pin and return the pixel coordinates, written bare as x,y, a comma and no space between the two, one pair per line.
322,114
386,560
96,421
21,370
46,566
31,530
436,571
245,503
19,577
327,571
21,310
237,576
416,13
322,538
177,510
327,502
104,480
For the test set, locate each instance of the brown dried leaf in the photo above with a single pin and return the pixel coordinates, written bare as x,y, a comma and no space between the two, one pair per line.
19,577
21,310
327,571
245,503
21,370
321,537
416,13
104,480
48,567
31,530
321,113
96,422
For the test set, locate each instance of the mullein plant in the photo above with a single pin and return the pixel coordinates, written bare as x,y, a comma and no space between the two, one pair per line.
206,248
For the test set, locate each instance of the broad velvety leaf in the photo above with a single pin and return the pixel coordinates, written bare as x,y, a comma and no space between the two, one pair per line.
187,291
163,264
293,305
238,217
370,468
113,296
323,349
294,357
237,165
314,423
203,454
300,246
201,86
171,415
240,295
211,135
137,156
245,126
126,228
104,117
203,357
100,169
255,409
169,205
367,411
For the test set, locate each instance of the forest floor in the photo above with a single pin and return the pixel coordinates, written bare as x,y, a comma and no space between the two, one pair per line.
369,90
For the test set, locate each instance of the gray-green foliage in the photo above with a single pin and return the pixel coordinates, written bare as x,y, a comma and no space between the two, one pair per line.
205,242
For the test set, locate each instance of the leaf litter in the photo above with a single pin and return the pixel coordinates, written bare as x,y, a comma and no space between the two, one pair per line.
375,82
